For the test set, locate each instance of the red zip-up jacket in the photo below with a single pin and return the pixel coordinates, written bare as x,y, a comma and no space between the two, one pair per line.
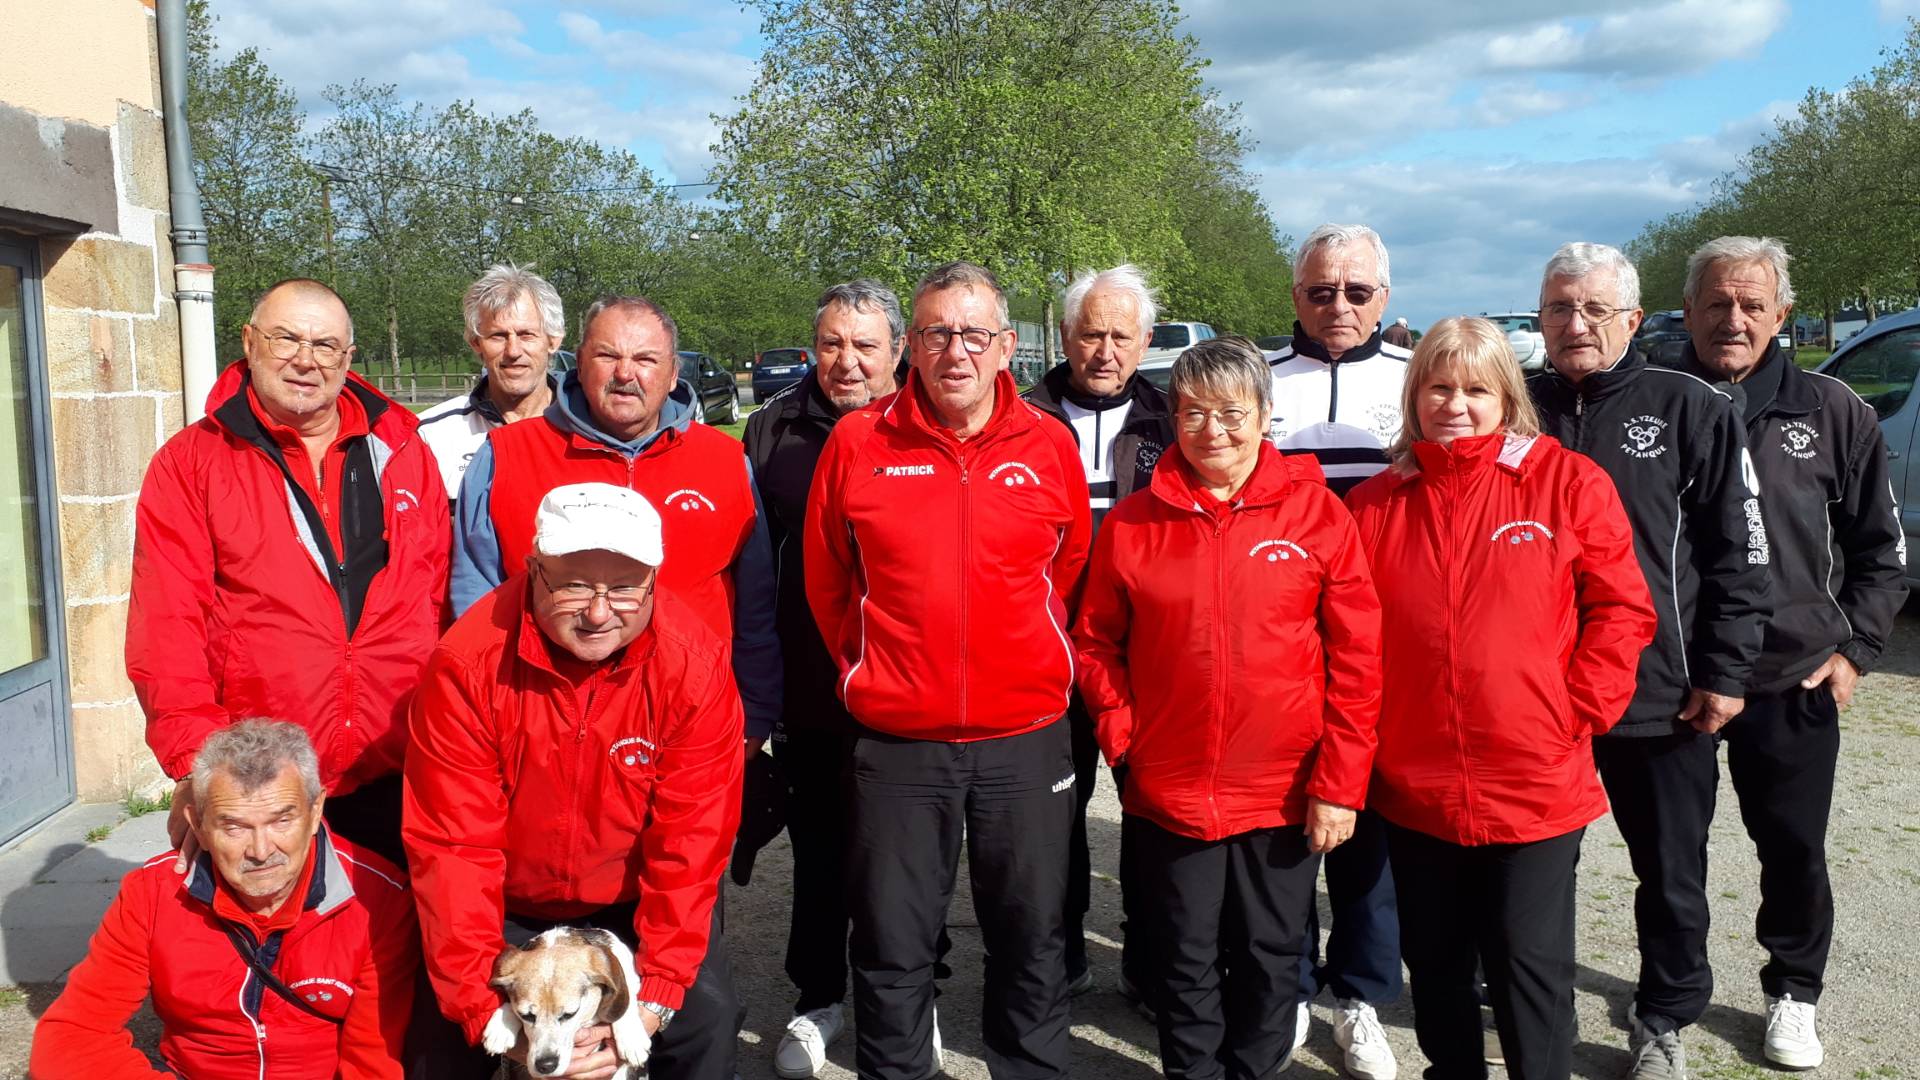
236,614
1230,652
942,570
353,954
1514,615
518,802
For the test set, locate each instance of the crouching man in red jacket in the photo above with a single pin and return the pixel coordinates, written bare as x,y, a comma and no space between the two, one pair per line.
576,760
285,954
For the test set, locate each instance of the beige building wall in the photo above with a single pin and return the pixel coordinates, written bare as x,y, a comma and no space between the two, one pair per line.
112,348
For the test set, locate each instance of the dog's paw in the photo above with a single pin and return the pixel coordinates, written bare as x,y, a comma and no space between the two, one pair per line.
630,1039
502,1031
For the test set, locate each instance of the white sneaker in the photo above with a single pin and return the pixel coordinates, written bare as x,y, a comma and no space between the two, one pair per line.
1791,1040
803,1049
1301,1022
1357,1031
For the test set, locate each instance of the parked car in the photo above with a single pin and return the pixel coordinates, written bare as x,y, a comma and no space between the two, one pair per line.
1170,339
1523,333
1273,342
716,396
1880,363
1662,338
777,369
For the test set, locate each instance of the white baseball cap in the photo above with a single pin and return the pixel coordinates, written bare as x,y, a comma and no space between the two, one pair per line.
598,517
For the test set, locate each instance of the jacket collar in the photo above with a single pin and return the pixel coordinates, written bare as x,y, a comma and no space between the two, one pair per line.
530,645
909,410
479,402
570,413
1176,483
328,888
1602,383
1056,387
227,407
1795,395
1473,454
1307,347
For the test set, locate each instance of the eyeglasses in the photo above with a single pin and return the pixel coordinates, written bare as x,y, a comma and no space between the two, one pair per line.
975,338
578,595
1322,295
1194,421
1593,313
326,352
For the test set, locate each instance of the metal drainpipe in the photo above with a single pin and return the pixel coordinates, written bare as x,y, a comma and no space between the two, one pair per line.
192,273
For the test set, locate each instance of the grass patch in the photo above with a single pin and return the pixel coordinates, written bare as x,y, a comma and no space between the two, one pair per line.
138,805
1810,357
12,997
99,833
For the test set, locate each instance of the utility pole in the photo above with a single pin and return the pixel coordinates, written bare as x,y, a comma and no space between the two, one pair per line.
329,174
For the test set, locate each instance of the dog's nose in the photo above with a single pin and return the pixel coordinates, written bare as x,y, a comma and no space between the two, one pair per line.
546,1064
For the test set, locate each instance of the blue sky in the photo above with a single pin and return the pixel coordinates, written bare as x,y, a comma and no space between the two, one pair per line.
1475,135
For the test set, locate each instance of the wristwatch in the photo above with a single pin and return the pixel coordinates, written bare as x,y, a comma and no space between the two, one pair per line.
665,1014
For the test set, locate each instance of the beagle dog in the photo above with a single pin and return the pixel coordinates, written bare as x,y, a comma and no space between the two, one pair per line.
565,979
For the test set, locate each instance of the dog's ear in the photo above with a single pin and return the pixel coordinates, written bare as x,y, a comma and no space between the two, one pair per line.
616,997
506,970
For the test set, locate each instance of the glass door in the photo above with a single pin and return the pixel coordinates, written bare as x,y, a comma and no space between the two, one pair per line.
36,769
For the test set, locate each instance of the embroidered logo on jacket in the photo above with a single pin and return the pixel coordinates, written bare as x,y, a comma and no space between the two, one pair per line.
632,751
325,988
1797,439
1278,551
1521,532
689,499
1014,474
1643,437
903,470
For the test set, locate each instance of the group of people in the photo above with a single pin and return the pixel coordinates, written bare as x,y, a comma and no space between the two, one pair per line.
431,686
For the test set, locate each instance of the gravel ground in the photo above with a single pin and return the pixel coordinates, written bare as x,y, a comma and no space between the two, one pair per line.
1874,850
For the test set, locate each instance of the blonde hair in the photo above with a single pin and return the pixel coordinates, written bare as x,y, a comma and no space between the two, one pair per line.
1480,350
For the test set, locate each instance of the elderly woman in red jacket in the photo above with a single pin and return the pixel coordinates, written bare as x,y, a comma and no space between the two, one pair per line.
1515,614
1229,640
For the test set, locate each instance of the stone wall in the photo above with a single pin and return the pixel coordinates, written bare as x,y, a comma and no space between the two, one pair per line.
112,350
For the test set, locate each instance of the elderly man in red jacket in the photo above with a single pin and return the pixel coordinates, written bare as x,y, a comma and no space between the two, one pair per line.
576,759
287,954
290,560
948,528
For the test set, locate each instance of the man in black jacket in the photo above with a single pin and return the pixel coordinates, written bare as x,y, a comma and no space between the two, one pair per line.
858,336
1838,563
1123,424
1675,448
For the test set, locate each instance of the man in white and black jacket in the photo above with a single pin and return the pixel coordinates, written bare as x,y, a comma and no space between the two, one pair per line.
1838,562
1123,424
1676,450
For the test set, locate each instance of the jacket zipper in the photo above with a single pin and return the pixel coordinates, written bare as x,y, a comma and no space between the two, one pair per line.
966,545
1333,391
1453,672
1579,420
1221,648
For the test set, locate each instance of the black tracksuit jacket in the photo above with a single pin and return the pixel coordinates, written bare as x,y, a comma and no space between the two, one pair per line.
784,438
1676,451
1136,448
1839,555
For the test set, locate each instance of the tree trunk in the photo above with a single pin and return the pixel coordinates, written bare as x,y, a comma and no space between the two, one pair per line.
1048,333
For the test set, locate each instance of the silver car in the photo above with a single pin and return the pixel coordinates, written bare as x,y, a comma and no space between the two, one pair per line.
1523,333
1880,363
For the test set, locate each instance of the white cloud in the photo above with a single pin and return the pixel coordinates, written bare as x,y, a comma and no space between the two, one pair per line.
1895,10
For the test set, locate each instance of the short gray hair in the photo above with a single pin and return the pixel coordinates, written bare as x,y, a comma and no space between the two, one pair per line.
1581,259
1126,279
863,294
962,274
300,286
1224,368
255,753
1742,249
631,304
1340,236
501,286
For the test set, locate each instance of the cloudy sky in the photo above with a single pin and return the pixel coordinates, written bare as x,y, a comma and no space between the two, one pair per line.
1475,135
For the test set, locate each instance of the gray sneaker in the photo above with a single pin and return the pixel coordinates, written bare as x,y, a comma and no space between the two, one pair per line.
1656,1057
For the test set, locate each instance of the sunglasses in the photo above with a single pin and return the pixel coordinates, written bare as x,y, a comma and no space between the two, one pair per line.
1322,295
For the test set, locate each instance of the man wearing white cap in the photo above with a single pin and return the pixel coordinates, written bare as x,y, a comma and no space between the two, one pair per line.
576,759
